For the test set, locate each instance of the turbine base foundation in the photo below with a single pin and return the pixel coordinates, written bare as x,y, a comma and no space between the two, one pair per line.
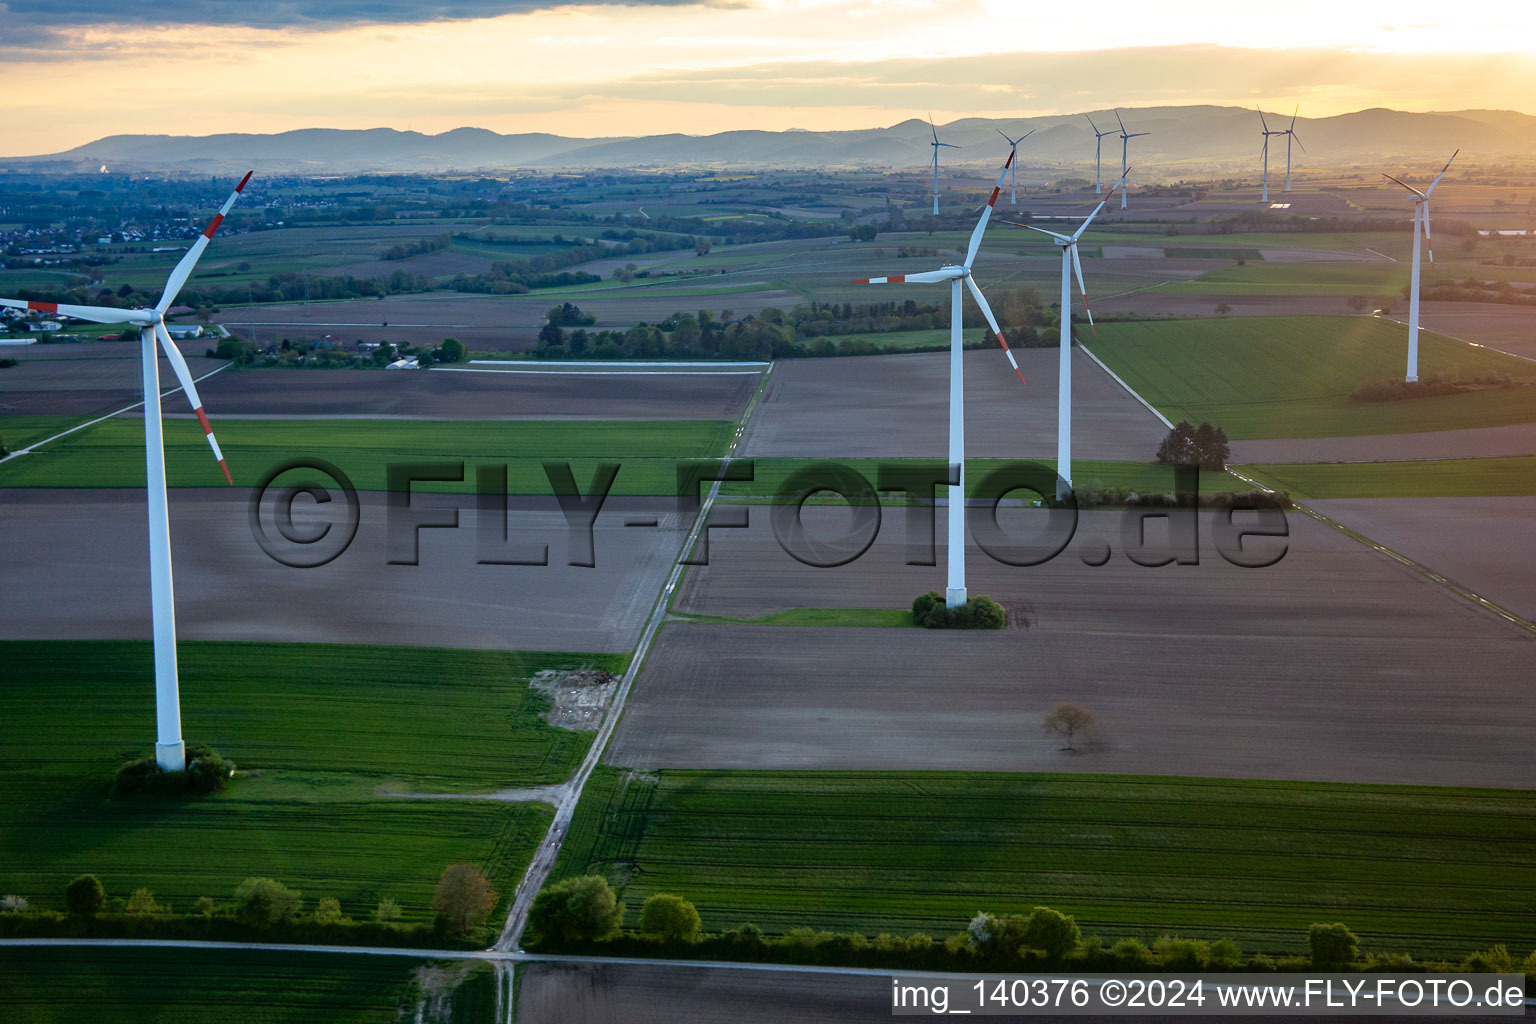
171,757
954,597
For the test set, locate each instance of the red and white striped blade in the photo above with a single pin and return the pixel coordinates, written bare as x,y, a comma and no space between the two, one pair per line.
1440,175
997,332
1430,242
183,269
986,213
927,277
1077,267
1103,203
95,314
184,376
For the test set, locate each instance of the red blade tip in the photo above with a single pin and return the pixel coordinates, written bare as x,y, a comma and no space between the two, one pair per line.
241,187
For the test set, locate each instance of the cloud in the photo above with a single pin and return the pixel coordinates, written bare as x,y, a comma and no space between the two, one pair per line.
20,20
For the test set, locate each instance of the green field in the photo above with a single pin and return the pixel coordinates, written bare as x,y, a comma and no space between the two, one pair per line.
321,734
20,431
195,986
1429,478
110,454
1292,376
1346,279
1421,870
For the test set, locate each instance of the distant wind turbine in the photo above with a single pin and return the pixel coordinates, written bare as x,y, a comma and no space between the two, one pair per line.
170,752
1125,139
954,594
1013,172
1265,152
1291,136
1098,144
936,145
1420,221
1070,263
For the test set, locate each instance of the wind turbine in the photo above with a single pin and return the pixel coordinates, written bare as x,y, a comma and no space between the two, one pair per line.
1125,140
1267,134
1291,136
1420,217
1098,143
954,594
170,752
1013,173
936,145
1070,262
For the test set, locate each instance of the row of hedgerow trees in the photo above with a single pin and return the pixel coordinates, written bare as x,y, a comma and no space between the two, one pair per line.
581,914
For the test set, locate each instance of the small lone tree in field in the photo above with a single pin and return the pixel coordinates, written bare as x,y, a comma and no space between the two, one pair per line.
265,902
584,909
1332,945
85,896
1067,720
387,910
670,917
464,897
1222,309
1358,303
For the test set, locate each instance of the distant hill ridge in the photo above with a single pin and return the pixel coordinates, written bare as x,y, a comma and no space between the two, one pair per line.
1191,136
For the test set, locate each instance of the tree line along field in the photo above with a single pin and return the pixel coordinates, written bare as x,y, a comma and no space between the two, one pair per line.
193,986
110,454
1261,377
321,735
1430,872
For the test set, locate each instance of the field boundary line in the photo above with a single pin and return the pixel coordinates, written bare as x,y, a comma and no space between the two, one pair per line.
101,419
1129,390
1383,255
602,373
1412,565
758,365
1464,341
548,851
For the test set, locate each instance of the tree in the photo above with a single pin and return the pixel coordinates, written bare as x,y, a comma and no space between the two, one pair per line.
1051,931
550,335
387,910
1204,446
328,911
1358,303
85,896
863,232
1222,309
584,909
1067,720
464,897
1332,945
143,902
13,904
264,902
453,351
1211,447
670,917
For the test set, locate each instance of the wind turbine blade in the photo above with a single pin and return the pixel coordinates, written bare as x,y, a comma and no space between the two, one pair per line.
1117,118
950,145
927,277
1026,135
183,269
986,213
1094,126
184,375
1063,239
1298,140
1432,184
997,332
1428,241
1077,266
1103,203
1137,135
95,314
932,128
1263,122
1405,185
1293,117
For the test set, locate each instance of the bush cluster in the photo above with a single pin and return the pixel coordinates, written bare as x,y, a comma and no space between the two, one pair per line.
206,772
1204,446
1427,386
978,612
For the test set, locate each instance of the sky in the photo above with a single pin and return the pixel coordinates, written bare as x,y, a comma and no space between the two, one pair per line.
72,71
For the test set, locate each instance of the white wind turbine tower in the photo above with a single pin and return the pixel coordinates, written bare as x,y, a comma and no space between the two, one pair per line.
1125,140
1291,136
954,594
1420,222
936,145
1070,263
1098,145
1267,134
1013,172
170,752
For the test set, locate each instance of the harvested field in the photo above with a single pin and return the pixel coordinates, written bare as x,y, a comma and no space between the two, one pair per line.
1511,328
1472,443
371,394
77,566
897,406
1485,544
649,994
102,378
1330,664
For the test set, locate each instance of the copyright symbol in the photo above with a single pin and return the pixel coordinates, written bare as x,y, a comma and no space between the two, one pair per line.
1112,992
322,534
